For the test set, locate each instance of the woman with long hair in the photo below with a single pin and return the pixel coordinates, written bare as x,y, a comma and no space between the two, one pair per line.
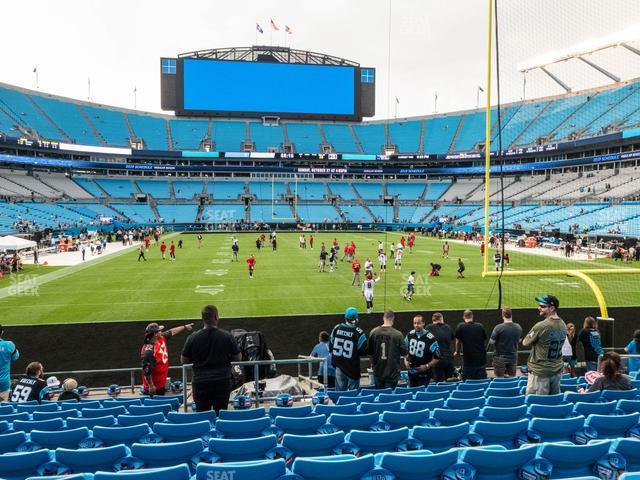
569,350
611,377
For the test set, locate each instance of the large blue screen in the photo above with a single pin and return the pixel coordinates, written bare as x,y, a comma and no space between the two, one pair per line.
229,86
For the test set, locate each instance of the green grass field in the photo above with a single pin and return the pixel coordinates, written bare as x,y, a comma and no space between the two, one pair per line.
286,282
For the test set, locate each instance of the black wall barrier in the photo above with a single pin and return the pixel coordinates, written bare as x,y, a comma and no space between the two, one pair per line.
106,345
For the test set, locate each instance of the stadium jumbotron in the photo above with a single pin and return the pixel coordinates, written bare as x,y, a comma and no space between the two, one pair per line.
311,197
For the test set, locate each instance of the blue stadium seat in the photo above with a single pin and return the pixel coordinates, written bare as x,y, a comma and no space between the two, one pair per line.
342,467
242,450
4,426
441,387
312,445
418,465
505,401
174,400
347,423
297,412
468,394
178,432
504,433
249,414
300,426
405,419
550,411
120,402
557,430
45,407
12,417
507,382
439,439
80,405
179,417
479,385
414,405
149,409
629,448
377,442
166,454
573,397
608,395
573,460
375,391
380,407
60,439
545,399
429,396
128,420
586,409
498,464
17,466
263,470
395,397
412,390
628,406
7,410
101,412
242,428
64,414
612,426
359,399
464,403
90,460
46,425
176,472
503,414
502,392
91,423
9,441
455,417
121,435
343,409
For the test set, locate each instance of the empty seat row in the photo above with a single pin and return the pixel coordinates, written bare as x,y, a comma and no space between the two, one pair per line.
603,459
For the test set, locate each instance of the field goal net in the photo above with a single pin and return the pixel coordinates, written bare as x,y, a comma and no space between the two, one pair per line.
559,72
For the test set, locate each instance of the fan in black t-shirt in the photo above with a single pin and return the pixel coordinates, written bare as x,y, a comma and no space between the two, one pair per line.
471,337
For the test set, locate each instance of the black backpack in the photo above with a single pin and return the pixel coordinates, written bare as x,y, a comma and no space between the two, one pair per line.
253,346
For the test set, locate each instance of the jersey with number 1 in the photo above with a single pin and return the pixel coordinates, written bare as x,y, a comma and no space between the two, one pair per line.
422,347
347,343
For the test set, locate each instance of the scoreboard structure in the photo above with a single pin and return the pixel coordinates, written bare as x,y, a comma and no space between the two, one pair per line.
255,82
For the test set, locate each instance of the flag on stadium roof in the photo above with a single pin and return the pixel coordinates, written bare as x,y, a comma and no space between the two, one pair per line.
259,28
288,30
274,26
397,100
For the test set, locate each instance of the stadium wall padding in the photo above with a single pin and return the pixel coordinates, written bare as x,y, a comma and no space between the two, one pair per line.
108,345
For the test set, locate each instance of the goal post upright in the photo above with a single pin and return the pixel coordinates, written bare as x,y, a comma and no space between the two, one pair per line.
487,145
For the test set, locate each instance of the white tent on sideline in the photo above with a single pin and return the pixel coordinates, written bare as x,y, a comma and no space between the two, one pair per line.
12,243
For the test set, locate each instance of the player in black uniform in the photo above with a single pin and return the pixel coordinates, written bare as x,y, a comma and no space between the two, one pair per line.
460,268
31,386
234,249
423,353
346,344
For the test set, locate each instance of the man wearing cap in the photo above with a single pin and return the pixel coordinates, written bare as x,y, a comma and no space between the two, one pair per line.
155,357
545,340
8,353
347,343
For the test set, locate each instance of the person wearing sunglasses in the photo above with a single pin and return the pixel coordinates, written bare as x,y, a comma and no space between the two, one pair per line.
546,339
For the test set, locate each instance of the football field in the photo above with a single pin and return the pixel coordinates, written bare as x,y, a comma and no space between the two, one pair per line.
286,282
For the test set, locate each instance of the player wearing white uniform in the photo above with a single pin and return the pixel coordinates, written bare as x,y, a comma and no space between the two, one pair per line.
398,263
368,267
380,247
382,259
367,290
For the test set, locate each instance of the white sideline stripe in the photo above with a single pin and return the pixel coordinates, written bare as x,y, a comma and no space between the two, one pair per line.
66,271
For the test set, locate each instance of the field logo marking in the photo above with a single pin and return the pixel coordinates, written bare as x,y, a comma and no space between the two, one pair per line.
209,289
219,261
421,286
23,286
217,273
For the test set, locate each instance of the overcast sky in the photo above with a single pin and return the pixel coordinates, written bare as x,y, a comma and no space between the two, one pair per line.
435,45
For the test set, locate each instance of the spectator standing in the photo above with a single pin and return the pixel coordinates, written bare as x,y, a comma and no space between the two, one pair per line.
471,337
611,377
387,350
589,338
633,348
155,357
8,353
444,336
506,338
355,266
546,339
347,343
321,350
211,351
569,349
422,353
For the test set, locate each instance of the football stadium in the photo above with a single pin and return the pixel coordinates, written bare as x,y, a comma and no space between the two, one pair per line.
392,241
